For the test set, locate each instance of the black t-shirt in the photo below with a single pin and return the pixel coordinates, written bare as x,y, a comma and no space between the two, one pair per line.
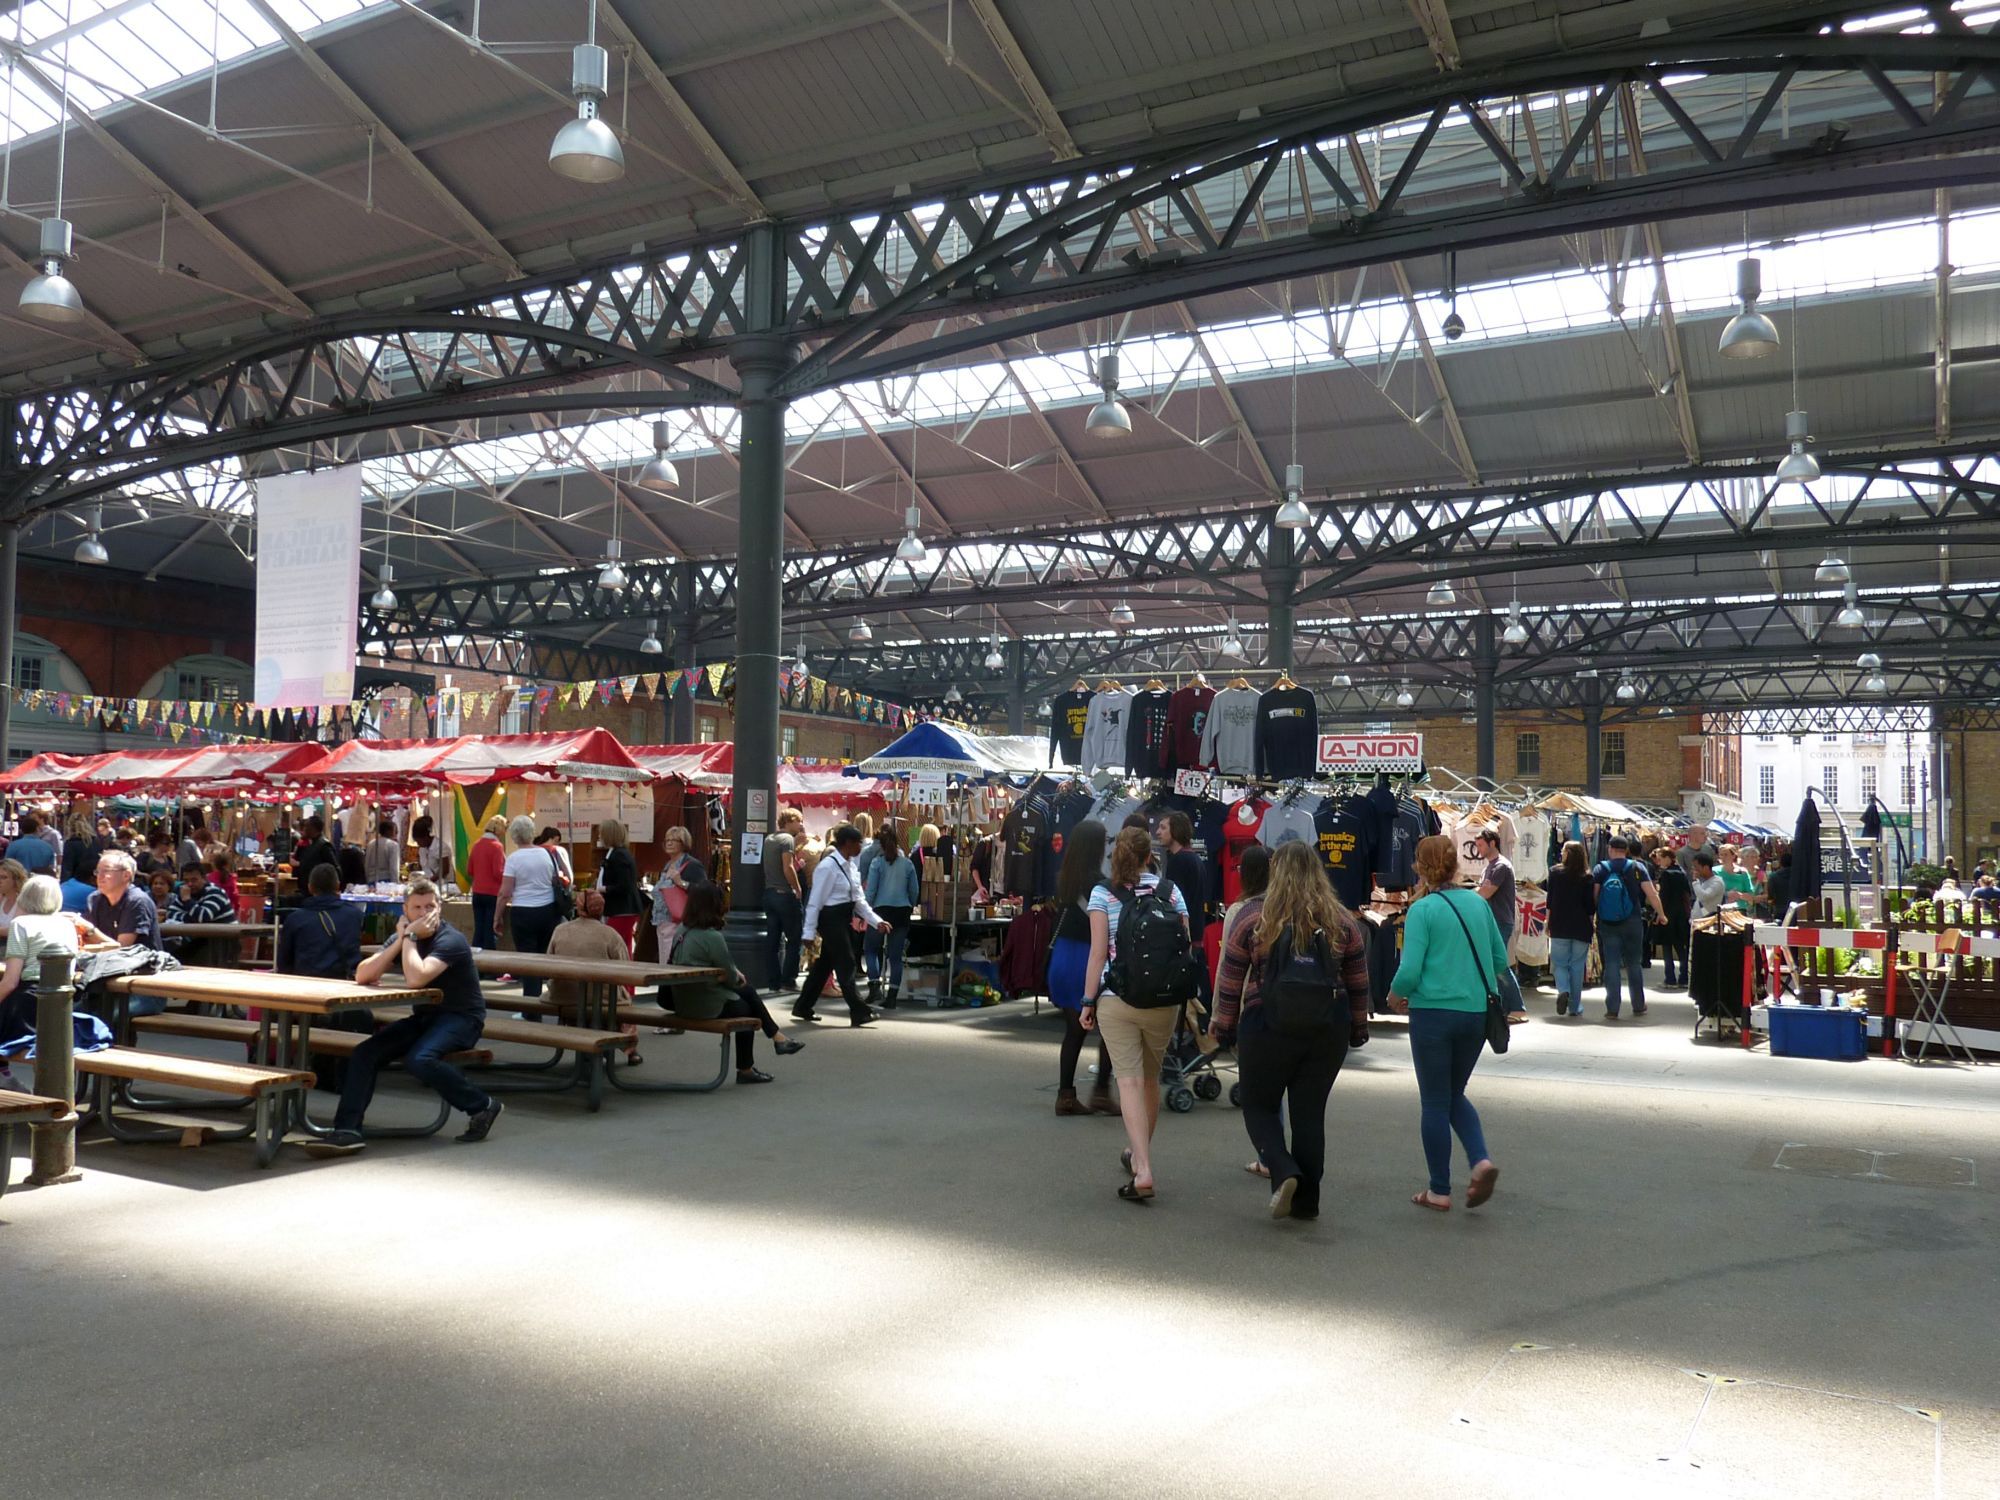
1676,892
1070,809
1069,716
1146,733
459,983
1287,733
1184,869
1024,835
1341,834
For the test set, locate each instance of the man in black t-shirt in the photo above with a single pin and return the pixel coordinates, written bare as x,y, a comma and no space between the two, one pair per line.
424,954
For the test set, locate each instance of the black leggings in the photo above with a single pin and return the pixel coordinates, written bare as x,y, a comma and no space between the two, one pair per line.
1072,1051
748,1003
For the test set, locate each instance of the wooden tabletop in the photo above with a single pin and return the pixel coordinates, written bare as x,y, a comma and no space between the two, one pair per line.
289,992
217,929
588,970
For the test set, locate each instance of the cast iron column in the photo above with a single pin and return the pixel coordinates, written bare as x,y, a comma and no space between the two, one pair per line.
1017,695
680,704
1485,662
1281,581
761,360
10,560
1593,737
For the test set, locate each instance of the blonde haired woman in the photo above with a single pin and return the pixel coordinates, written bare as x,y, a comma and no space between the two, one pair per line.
1452,956
527,901
13,876
1293,1040
680,875
486,867
1135,1035
618,879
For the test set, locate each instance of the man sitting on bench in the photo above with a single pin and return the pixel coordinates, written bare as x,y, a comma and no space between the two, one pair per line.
426,954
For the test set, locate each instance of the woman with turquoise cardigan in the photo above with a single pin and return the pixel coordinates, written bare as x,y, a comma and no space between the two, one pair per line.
890,884
1453,955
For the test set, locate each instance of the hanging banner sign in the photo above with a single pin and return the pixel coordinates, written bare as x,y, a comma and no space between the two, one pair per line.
308,578
928,788
1357,753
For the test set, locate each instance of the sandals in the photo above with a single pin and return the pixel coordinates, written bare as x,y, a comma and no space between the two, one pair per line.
1424,1200
1131,1192
1257,1169
1484,1177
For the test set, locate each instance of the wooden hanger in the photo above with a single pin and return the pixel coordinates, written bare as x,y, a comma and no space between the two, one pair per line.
1108,685
1154,685
1081,685
1239,682
1200,678
1284,681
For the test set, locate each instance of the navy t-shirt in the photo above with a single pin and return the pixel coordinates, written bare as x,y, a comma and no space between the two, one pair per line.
1341,834
136,915
459,983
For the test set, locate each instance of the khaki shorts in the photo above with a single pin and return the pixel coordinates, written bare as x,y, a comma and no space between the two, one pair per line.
1136,1039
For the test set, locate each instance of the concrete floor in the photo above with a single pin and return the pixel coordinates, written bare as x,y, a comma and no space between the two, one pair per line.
896,1273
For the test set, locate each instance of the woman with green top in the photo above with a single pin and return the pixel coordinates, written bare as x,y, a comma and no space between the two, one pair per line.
701,946
1742,887
1452,957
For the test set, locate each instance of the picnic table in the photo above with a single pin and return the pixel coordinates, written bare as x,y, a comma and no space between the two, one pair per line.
289,1004
600,978
212,936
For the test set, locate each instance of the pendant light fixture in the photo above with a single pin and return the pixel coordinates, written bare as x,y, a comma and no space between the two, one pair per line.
860,632
802,663
50,296
1832,571
1850,616
1749,334
586,149
660,473
1232,643
1404,697
92,549
1293,514
1868,661
385,592
1454,326
912,549
1876,684
1516,633
1108,419
1441,594
1798,466
1627,688
611,577
996,655
1342,681
1122,616
651,646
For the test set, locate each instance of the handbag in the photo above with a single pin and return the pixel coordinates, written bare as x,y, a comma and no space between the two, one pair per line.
561,889
674,898
1496,1006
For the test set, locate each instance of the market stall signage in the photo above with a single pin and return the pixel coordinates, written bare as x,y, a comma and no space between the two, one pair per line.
1350,753
928,788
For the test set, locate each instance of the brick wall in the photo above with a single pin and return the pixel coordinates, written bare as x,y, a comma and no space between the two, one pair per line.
1657,763
1975,783
120,630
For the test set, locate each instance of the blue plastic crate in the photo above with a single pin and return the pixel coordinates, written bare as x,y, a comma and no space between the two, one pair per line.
1808,1031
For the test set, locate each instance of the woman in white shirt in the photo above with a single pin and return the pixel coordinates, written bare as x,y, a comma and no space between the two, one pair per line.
42,928
526,908
837,910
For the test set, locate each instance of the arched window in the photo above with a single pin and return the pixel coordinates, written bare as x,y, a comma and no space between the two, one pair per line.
40,665
218,679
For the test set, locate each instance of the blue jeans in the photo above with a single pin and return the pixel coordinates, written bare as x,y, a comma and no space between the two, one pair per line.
883,954
786,918
1444,1045
422,1040
1623,945
1568,958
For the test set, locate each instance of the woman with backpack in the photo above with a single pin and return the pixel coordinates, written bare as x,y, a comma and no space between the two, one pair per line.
1295,971
1069,959
1452,957
1139,974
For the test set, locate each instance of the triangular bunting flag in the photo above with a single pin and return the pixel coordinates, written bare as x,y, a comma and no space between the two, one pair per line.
652,683
626,686
716,672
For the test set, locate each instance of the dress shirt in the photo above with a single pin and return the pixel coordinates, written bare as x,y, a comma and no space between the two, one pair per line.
835,883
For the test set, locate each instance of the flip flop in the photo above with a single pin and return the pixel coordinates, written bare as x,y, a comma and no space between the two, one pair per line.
1256,1169
1131,1192
1423,1200
1480,1188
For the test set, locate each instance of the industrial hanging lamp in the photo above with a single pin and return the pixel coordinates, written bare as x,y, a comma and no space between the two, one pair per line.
1832,571
1516,633
651,646
51,297
1232,643
952,695
92,549
996,657
1404,697
1342,681
1749,334
1122,616
1876,683
1454,326
385,591
1441,594
802,663
1108,419
1868,661
586,149
1798,466
660,473
1850,616
861,632
912,549
1294,514
1627,688
611,577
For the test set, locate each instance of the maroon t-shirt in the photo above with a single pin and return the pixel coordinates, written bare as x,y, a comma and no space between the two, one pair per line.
1187,716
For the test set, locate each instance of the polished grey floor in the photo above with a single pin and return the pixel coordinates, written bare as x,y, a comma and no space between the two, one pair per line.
895,1272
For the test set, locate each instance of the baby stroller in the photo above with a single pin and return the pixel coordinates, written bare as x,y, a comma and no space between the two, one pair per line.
1187,1072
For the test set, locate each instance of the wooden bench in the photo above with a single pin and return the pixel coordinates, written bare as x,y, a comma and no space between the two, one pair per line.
591,1049
326,1041
721,1027
205,1075
22,1109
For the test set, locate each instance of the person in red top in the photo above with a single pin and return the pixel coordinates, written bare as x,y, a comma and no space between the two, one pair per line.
486,867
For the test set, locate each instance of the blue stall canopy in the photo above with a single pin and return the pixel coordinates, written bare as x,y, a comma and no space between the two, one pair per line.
933,748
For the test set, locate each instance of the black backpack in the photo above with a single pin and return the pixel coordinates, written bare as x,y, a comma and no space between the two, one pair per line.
1301,990
1155,967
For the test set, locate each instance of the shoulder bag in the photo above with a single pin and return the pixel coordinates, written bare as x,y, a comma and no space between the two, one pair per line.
561,889
1496,1006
